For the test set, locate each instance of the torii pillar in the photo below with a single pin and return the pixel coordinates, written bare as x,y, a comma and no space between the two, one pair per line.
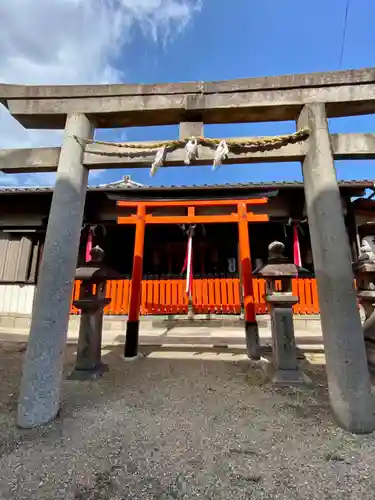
39,400
251,326
132,325
346,364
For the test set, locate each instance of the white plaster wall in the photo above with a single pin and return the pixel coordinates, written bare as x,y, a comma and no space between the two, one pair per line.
16,299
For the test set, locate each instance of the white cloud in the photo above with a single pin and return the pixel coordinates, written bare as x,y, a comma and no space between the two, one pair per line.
75,42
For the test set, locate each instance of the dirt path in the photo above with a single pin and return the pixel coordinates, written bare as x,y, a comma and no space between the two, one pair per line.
170,426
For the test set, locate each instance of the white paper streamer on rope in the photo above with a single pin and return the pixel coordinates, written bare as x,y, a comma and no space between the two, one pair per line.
159,160
221,154
191,151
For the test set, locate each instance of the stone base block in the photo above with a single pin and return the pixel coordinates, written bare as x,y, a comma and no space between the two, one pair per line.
89,374
252,340
286,377
131,339
133,358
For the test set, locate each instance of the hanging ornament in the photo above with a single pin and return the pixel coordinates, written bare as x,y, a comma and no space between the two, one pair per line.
231,265
159,160
191,151
89,244
296,247
221,154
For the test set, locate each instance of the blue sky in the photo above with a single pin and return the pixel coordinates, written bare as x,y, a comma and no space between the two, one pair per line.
218,39
244,38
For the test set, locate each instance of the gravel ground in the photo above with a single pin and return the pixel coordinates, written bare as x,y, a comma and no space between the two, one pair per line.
206,427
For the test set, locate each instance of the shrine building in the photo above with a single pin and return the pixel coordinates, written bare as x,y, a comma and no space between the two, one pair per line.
233,226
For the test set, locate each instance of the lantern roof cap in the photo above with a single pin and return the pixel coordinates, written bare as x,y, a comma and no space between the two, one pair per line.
95,270
278,265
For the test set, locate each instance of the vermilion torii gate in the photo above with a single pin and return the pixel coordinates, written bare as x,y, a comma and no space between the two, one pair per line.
307,99
241,216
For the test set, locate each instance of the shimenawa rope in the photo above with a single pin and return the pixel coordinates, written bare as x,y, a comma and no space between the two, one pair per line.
222,147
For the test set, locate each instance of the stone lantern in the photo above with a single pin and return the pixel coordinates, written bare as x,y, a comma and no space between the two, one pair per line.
278,273
91,302
364,270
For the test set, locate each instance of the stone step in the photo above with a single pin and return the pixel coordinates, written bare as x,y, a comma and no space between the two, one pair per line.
178,336
306,322
118,323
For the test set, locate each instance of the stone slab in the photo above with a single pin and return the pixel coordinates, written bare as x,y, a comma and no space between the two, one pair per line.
252,99
302,80
286,377
7,321
82,375
21,323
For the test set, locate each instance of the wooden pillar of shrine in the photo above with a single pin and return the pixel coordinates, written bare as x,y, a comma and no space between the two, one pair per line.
251,326
132,325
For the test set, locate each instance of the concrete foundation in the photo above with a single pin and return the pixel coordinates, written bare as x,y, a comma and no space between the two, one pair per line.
94,374
286,377
132,339
252,340
309,323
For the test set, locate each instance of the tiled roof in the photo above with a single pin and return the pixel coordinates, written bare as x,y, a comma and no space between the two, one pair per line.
243,185
122,186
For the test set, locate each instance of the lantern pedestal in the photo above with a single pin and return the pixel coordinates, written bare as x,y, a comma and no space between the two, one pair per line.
278,273
91,302
88,363
284,368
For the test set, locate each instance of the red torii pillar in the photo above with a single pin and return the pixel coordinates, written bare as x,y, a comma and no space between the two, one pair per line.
251,325
132,325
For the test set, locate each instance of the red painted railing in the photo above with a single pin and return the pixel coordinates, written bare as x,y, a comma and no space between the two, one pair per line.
211,295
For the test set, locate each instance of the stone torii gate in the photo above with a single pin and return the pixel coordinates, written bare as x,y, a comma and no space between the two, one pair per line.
307,99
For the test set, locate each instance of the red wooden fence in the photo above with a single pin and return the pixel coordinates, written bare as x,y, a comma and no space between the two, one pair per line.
211,295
